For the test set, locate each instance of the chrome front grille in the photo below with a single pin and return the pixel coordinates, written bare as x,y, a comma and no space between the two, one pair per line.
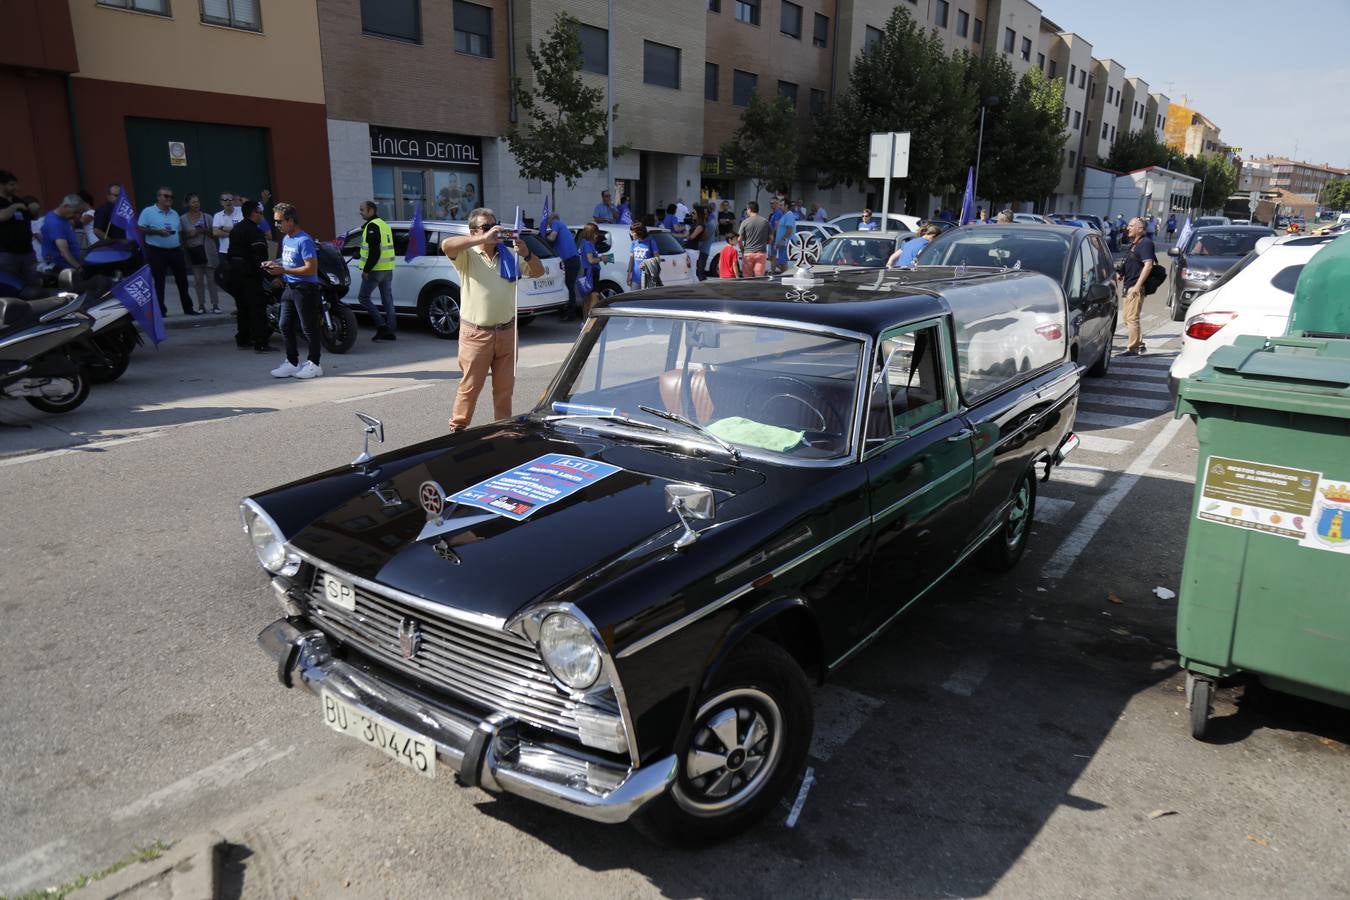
492,668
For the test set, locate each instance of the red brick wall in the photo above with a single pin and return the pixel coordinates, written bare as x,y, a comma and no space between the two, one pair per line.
35,142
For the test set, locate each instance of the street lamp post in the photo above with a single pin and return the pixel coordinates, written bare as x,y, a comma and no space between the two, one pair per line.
979,145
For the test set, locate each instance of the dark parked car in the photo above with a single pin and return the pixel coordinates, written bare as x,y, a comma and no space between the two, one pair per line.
1076,257
614,604
1207,254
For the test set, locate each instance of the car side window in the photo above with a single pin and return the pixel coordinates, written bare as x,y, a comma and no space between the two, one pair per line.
1287,278
1106,270
1080,271
908,388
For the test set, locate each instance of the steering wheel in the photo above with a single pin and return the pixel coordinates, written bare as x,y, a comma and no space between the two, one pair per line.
793,395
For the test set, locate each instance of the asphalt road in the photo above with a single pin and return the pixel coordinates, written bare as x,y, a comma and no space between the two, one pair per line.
1011,737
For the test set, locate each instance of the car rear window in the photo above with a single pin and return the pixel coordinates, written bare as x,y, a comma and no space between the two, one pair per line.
666,243
990,245
537,247
1006,329
1224,243
1287,278
857,251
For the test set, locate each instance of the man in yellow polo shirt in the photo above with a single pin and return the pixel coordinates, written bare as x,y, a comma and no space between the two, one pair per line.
487,312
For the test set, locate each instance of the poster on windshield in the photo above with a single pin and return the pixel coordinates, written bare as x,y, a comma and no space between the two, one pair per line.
529,487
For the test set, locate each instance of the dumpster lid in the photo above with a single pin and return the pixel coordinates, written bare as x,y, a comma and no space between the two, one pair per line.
1294,374
1321,305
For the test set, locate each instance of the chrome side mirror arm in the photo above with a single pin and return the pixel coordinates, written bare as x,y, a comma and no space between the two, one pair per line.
373,426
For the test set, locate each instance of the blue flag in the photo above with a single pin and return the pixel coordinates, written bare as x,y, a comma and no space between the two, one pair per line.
417,236
1185,233
625,215
968,201
137,294
124,216
520,223
543,218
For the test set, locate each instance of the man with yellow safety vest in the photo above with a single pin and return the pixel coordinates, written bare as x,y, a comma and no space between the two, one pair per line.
377,270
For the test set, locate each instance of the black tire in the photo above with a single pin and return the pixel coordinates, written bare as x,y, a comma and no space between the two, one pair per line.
608,289
438,308
1006,547
760,690
1178,312
1200,699
1103,365
523,322
70,402
341,336
118,360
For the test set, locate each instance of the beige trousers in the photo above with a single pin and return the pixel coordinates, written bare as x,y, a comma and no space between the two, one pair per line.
1134,299
482,350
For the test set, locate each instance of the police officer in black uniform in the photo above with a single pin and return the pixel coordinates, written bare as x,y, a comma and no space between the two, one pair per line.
248,251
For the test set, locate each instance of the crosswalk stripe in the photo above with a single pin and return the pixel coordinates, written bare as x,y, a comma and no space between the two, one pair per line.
1152,387
1106,420
1082,476
1095,444
1126,402
1050,510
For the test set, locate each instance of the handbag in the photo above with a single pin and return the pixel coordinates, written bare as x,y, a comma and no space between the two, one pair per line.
1156,276
585,286
651,271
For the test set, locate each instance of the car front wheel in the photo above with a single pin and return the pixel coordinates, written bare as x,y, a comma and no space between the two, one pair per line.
439,310
744,750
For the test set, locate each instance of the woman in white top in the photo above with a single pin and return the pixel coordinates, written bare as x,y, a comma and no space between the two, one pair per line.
194,226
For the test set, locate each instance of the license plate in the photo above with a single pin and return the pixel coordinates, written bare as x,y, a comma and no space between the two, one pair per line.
543,284
413,751
338,592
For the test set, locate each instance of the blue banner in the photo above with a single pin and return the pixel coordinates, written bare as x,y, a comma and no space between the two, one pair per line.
124,215
1184,234
543,217
968,201
538,483
417,236
137,294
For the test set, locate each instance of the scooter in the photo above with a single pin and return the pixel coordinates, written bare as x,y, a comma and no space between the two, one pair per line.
114,331
337,322
44,346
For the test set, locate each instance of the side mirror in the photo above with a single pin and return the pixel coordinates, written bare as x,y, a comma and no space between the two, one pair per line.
1173,251
1097,292
690,502
372,426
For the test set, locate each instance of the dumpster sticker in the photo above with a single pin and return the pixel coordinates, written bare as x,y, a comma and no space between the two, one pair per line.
1329,527
530,487
1260,497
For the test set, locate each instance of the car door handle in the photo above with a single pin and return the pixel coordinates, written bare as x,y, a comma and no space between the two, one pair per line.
960,435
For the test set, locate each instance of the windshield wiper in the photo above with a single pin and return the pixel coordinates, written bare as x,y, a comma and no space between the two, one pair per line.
610,417
690,423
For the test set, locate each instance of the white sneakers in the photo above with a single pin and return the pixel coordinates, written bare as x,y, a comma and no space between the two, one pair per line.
289,370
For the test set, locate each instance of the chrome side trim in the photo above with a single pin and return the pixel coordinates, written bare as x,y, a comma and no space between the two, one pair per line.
913,495
665,631
27,333
435,609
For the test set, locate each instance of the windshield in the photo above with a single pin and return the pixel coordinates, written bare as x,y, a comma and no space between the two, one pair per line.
988,245
763,389
1224,243
857,251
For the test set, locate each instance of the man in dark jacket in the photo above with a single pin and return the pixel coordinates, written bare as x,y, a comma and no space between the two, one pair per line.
247,253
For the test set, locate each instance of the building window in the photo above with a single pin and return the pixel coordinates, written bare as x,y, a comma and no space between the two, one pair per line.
1073,73
1108,92
1066,115
962,23
1009,40
1026,49
715,6
742,87
1040,61
788,90
1106,129
978,34
710,81
871,38
1054,67
791,21
399,19
594,50
233,13
1082,83
943,7
1072,155
473,28
817,102
747,11
158,7
1077,120
821,36
661,65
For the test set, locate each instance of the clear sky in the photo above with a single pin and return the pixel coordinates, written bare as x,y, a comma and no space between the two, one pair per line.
1274,76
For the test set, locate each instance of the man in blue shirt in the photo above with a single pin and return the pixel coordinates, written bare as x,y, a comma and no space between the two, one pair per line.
560,237
60,245
163,251
910,249
783,232
867,223
299,269
604,210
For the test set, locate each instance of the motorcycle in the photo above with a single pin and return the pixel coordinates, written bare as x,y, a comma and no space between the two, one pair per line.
45,346
337,322
114,331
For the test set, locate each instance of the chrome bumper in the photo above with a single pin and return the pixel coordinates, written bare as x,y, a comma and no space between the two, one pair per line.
486,753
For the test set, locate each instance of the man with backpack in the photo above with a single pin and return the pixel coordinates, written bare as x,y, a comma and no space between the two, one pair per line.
1139,265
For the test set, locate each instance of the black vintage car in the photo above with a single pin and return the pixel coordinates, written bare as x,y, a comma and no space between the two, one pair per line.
614,604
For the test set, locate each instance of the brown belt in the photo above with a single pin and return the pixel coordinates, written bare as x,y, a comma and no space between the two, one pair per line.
502,327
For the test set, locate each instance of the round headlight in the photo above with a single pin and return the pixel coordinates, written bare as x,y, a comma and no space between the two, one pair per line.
569,651
268,544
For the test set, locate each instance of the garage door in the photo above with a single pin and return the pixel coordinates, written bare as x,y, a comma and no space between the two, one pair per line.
214,159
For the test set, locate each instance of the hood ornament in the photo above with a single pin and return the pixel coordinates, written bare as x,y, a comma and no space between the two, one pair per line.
432,498
804,250
373,426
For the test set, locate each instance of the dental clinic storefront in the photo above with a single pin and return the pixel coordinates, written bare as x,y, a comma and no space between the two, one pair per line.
442,171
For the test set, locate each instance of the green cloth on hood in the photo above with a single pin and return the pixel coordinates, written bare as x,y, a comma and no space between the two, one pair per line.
739,430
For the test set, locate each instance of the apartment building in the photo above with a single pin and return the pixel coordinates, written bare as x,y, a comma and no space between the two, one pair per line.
1106,84
1133,105
1294,176
1190,131
1069,58
1155,115
959,24
179,94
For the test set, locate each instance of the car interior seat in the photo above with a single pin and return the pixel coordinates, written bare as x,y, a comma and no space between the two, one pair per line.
675,388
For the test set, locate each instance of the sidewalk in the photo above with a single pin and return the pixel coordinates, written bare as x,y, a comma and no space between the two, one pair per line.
176,318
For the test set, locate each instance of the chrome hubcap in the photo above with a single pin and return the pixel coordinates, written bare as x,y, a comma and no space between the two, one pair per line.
735,748
443,312
1017,516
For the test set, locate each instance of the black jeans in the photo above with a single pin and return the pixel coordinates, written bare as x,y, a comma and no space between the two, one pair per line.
571,269
162,259
250,303
301,301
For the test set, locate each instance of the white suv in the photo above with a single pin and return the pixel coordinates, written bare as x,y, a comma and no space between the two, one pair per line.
1253,297
614,247
428,287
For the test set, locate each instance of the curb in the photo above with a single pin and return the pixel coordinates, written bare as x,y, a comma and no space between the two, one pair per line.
189,871
179,320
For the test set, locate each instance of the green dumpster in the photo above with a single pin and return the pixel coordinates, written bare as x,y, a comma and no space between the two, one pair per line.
1265,586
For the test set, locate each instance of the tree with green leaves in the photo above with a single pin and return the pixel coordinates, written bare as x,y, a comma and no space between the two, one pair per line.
562,134
1336,195
1218,178
764,147
1140,149
1023,130
904,82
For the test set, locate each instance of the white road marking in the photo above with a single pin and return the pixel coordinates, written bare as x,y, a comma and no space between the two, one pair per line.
35,866
227,771
1107,420
1076,473
967,677
1187,477
808,779
1107,503
1150,387
1095,444
1051,510
79,448
384,393
1128,402
839,714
